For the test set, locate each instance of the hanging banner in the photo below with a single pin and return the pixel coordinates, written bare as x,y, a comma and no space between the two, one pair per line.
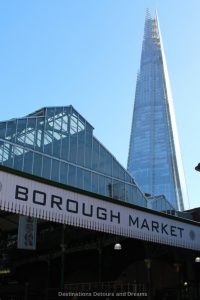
27,230
33,198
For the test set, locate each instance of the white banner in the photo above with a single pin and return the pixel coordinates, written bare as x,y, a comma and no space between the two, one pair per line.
27,230
40,200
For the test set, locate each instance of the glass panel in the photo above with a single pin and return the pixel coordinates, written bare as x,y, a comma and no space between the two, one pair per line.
109,188
46,167
9,154
121,173
56,148
81,148
30,131
18,158
116,189
140,198
28,162
11,131
73,124
122,191
81,123
102,156
21,130
2,129
94,183
55,170
128,193
58,110
128,178
102,189
48,136
73,147
88,149
63,172
108,163
95,155
7,151
37,164
72,176
1,153
65,148
39,137
57,126
50,112
115,169
87,180
66,109
80,178
57,132
65,124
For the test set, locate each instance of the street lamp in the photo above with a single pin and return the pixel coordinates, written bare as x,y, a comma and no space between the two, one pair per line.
117,246
197,168
197,259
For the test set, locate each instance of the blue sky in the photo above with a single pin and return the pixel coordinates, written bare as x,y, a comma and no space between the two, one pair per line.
87,53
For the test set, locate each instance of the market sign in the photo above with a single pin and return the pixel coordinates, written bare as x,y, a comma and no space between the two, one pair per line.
30,197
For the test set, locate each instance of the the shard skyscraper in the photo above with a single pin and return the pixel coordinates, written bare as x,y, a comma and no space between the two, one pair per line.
154,153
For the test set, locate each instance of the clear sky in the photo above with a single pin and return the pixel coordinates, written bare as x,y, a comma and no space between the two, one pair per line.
87,53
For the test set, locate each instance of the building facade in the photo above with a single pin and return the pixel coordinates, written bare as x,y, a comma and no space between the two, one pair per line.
57,143
154,157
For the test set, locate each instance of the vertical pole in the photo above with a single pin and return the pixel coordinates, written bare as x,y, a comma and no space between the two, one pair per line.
63,247
99,247
100,265
48,278
148,266
197,274
148,263
191,278
178,280
26,291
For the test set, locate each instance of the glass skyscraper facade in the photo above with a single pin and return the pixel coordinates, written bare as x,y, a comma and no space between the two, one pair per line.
154,153
154,157
57,143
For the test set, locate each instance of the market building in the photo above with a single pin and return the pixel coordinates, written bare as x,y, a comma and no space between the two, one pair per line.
75,224
68,207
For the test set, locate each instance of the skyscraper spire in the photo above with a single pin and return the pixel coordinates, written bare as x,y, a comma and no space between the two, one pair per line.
154,153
